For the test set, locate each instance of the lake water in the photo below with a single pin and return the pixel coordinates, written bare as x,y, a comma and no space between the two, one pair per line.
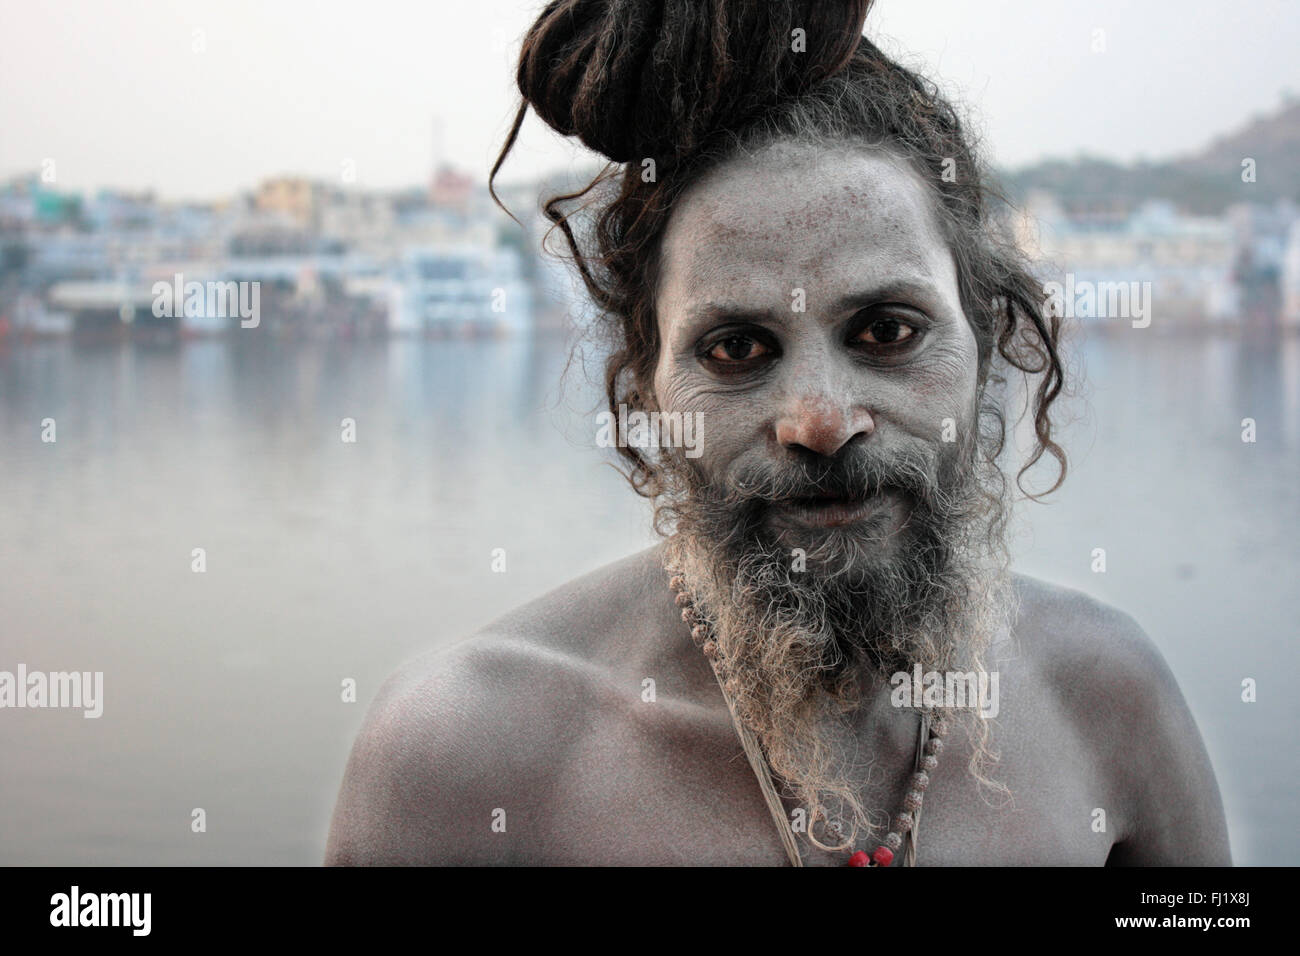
328,560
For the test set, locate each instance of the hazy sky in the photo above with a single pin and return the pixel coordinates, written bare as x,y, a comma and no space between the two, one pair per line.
200,99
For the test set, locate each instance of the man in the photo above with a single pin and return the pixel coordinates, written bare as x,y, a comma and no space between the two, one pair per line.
837,527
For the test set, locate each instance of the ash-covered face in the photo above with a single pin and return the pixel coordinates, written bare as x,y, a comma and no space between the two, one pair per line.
809,315
837,519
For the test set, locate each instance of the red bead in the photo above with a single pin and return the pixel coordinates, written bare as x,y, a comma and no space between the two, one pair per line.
883,856
860,859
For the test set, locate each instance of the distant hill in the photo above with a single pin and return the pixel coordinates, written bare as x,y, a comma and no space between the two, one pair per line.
1204,182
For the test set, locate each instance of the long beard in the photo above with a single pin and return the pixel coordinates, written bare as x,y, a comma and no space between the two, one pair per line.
805,636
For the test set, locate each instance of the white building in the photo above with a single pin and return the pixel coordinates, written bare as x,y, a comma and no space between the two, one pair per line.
460,289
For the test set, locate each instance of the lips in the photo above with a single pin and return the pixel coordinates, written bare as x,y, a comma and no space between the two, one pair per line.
829,511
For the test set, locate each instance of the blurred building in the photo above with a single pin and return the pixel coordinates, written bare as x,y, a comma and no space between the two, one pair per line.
293,197
1261,236
327,260
1291,277
1189,260
458,290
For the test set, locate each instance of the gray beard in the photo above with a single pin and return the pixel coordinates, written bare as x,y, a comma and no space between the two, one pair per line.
937,599
801,650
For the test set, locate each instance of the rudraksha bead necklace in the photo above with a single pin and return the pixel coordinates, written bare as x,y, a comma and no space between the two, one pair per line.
929,747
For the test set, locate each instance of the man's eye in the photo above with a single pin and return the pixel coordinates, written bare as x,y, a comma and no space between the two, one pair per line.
886,332
737,348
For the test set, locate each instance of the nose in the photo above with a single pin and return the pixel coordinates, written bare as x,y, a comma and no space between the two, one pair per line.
821,424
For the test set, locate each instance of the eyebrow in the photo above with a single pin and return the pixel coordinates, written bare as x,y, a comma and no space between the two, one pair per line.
893,289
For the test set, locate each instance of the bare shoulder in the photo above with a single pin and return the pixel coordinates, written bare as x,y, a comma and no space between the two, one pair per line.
459,734
1096,657
1112,683
1069,632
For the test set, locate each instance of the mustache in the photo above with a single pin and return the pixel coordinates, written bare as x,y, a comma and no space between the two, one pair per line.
853,475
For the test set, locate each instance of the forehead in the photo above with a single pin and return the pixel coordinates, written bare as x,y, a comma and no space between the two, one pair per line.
832,221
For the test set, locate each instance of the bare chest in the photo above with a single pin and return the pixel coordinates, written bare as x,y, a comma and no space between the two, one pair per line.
673,787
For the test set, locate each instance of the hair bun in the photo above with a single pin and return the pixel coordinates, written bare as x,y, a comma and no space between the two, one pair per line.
636,78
